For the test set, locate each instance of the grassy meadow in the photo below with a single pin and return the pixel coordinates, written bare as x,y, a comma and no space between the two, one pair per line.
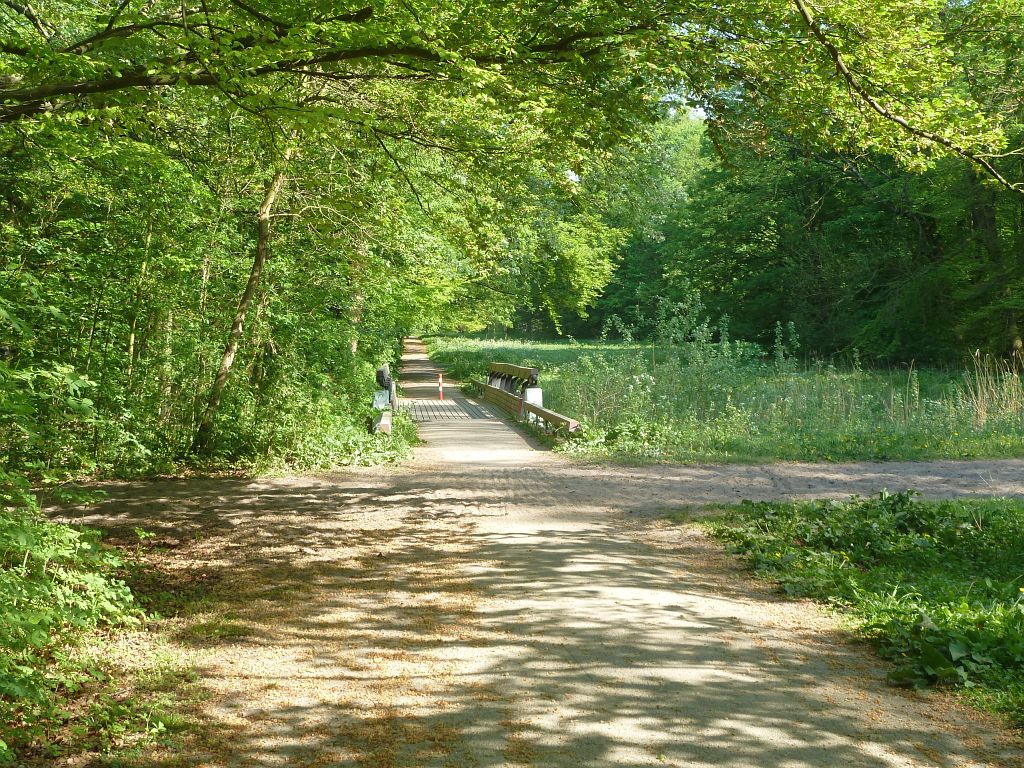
729,401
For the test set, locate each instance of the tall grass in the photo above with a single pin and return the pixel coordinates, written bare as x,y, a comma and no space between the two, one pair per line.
723,400
992,389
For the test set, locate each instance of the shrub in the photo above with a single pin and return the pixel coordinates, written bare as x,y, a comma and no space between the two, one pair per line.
938,585
56,584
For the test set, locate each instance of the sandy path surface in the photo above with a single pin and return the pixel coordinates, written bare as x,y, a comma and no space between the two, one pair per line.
492,605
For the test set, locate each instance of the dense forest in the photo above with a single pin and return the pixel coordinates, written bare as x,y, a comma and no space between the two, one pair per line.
859,254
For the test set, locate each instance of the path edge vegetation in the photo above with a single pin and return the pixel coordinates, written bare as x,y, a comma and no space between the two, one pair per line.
67,606
937,587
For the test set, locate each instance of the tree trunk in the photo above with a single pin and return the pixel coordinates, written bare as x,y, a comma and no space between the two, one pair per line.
196,412
1016,342
133,327
201,441
166,407
356,317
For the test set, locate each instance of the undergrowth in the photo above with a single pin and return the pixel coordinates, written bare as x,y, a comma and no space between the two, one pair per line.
938,586
63,608
55,421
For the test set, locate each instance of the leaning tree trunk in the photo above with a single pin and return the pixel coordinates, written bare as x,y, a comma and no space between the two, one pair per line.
201,442
356,317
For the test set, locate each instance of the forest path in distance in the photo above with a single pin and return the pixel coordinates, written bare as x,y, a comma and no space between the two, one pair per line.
488,604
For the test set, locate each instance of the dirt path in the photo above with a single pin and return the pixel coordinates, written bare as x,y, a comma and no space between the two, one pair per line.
492,605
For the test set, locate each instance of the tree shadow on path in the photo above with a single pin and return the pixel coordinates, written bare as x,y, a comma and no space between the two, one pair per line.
509,617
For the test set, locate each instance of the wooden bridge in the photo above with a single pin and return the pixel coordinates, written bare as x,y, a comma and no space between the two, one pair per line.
504,393
508,387
420,409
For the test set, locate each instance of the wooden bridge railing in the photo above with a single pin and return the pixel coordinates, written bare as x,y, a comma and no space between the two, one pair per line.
506,387
512,378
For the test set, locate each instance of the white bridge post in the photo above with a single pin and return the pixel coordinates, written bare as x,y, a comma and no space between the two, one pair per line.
534,396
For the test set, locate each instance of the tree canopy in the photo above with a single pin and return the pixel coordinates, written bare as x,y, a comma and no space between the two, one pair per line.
215,216
876,74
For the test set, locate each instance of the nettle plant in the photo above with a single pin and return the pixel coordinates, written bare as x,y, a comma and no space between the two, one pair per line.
56,584
937,585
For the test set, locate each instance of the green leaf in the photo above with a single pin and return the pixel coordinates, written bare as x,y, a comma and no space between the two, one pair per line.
957,650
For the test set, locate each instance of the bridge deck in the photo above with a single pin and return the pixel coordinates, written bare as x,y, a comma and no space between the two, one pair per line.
420,409
457,431
418,381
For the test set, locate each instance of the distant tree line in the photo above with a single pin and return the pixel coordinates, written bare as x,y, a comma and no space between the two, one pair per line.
856,251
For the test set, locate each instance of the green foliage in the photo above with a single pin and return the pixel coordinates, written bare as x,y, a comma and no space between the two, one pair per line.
855,251
138,144
118,281
578,70
709,398
937,585
57,584
217,220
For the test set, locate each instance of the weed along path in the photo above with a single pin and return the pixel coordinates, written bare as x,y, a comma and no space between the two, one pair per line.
490,605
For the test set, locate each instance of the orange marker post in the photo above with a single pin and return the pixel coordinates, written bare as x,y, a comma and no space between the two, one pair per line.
440,386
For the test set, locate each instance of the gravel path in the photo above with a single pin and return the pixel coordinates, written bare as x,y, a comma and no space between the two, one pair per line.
492,605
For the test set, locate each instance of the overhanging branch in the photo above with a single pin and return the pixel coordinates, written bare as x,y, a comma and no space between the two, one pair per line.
17,103
914,130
